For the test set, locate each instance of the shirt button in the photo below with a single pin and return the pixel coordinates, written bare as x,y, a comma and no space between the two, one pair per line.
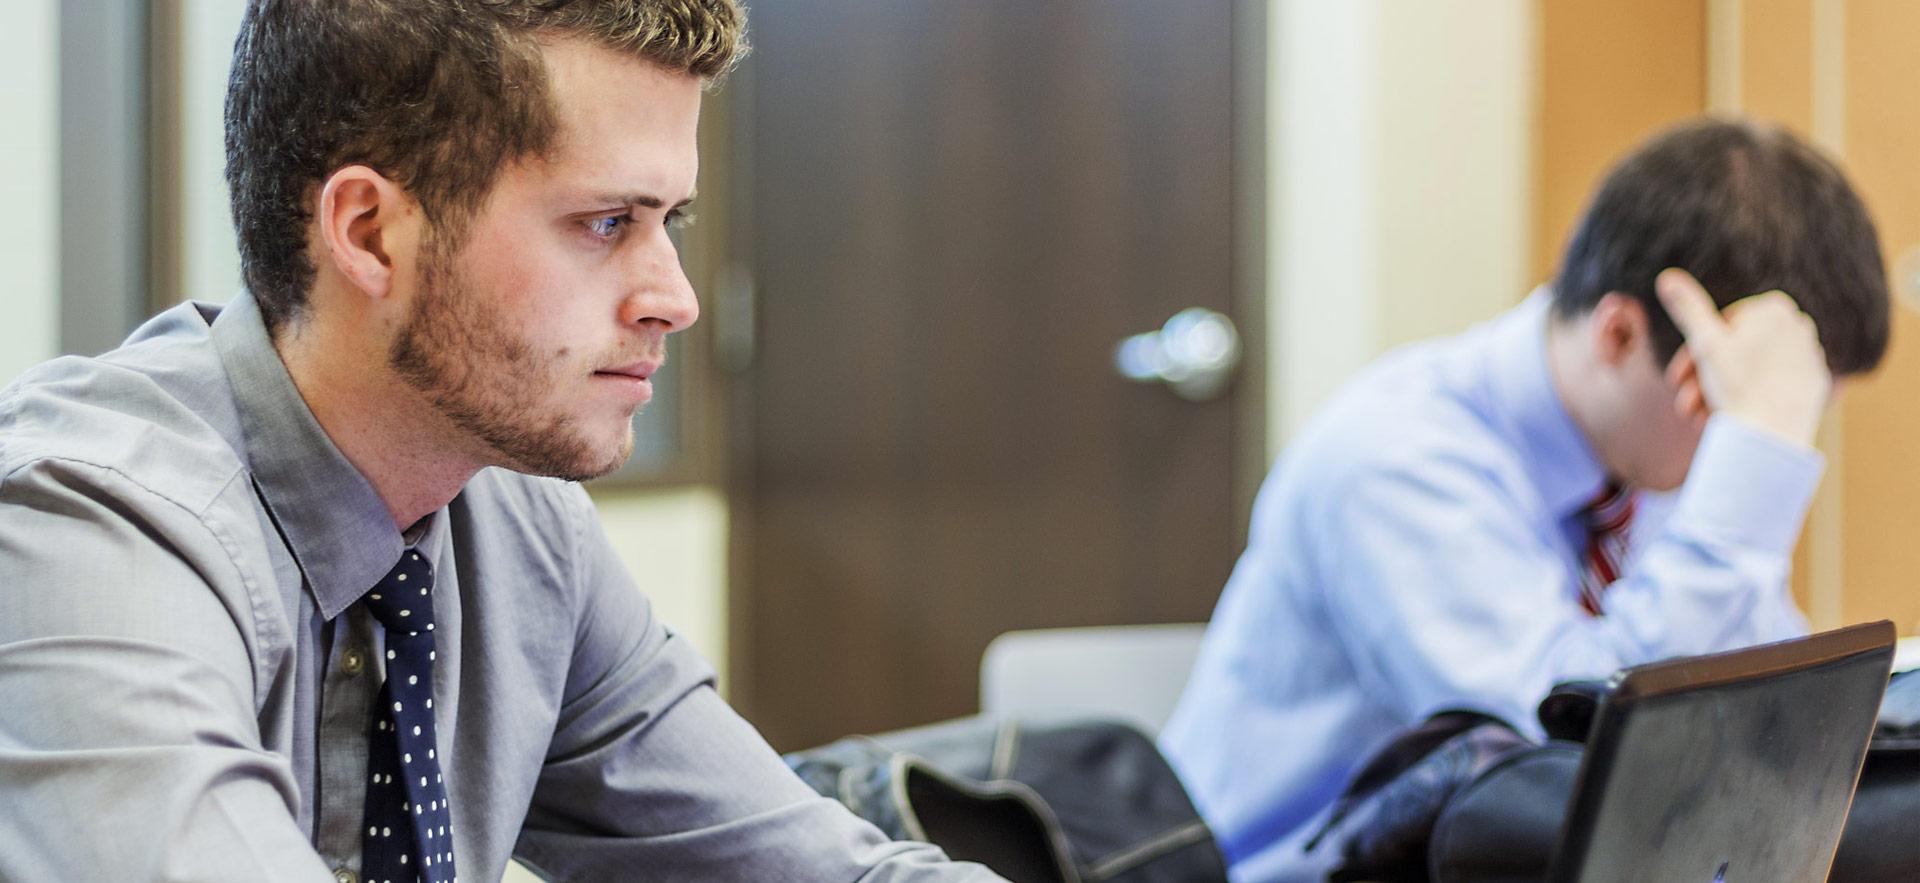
352,662
345,875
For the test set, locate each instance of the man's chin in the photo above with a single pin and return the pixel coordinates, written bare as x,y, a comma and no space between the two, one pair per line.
577,462
607,465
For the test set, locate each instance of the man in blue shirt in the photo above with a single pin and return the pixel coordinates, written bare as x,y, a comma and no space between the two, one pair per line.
1475,518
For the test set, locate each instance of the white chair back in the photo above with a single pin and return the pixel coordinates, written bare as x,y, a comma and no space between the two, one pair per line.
1132,673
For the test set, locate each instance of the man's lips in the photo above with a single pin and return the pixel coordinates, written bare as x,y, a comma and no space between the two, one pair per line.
635,370
630,380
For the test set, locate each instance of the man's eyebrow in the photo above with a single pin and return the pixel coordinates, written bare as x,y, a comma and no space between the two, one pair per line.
645,200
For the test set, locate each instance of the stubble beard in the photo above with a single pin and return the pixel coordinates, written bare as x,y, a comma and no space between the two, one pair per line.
488,383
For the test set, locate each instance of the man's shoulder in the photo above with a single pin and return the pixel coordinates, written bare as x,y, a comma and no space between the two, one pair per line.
1418,424
157,412
1410,411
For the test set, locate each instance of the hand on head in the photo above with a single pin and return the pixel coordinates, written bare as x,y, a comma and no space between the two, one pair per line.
1759,360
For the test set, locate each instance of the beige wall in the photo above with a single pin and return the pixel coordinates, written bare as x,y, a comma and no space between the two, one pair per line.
1400,152
29,145
209,261
674,542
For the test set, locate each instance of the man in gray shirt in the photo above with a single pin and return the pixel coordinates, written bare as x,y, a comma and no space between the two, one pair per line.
267,557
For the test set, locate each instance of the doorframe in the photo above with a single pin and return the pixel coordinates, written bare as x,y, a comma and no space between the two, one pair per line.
106,92
1252,79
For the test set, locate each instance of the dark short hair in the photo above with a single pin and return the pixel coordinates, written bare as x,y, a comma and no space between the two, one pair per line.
1745,208
435,94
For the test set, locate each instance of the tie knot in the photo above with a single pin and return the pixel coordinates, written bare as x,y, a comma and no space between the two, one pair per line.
403,599
1610,510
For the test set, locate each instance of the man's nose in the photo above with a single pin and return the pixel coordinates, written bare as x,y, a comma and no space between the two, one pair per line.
661,294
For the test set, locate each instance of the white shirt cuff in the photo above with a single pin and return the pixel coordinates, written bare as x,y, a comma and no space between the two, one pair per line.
1748,487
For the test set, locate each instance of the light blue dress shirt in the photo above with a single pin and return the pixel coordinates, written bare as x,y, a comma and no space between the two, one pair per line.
1417,549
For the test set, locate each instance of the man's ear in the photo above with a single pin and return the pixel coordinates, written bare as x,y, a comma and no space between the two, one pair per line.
1620,329
365,225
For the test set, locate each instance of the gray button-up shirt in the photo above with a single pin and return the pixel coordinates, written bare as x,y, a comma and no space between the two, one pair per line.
187,673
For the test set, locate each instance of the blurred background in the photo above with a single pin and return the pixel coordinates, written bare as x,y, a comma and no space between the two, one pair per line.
925,226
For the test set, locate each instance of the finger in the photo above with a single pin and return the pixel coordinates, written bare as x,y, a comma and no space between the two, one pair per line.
1690,306
1682,368
1776,300
1773,309
1683,375
1690,402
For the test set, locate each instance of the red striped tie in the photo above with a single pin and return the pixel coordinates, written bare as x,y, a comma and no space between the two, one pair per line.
1606,519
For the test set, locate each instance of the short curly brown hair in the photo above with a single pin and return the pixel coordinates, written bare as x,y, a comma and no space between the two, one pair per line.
436,94
1745,208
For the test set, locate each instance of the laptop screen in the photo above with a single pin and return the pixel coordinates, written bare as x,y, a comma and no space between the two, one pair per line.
1733,767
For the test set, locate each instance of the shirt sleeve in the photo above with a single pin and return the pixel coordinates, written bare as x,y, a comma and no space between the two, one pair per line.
649,768
1446,594
122,672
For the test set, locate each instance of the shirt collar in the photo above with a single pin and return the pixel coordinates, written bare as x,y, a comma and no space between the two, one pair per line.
1555,453
336,526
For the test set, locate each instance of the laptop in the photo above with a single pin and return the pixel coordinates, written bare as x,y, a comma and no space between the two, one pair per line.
1732,768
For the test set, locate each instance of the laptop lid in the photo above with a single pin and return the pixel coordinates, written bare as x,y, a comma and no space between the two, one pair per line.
1734,767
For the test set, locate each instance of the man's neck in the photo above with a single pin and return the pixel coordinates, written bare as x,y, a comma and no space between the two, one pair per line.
392,435
1568,362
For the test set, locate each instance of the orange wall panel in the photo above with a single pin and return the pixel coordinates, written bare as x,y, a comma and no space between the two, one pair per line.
1881,433
1611,73
1776,62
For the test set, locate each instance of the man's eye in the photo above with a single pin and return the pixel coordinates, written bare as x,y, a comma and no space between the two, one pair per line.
606,228
678,220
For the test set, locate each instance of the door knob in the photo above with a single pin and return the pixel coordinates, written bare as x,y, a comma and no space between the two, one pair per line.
1194,354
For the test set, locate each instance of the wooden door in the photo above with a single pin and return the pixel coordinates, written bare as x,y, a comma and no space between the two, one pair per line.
953,212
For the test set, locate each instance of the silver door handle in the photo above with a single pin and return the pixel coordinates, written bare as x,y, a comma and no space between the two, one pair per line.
1194,354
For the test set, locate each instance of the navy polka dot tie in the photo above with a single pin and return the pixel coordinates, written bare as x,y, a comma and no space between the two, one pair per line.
409,830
